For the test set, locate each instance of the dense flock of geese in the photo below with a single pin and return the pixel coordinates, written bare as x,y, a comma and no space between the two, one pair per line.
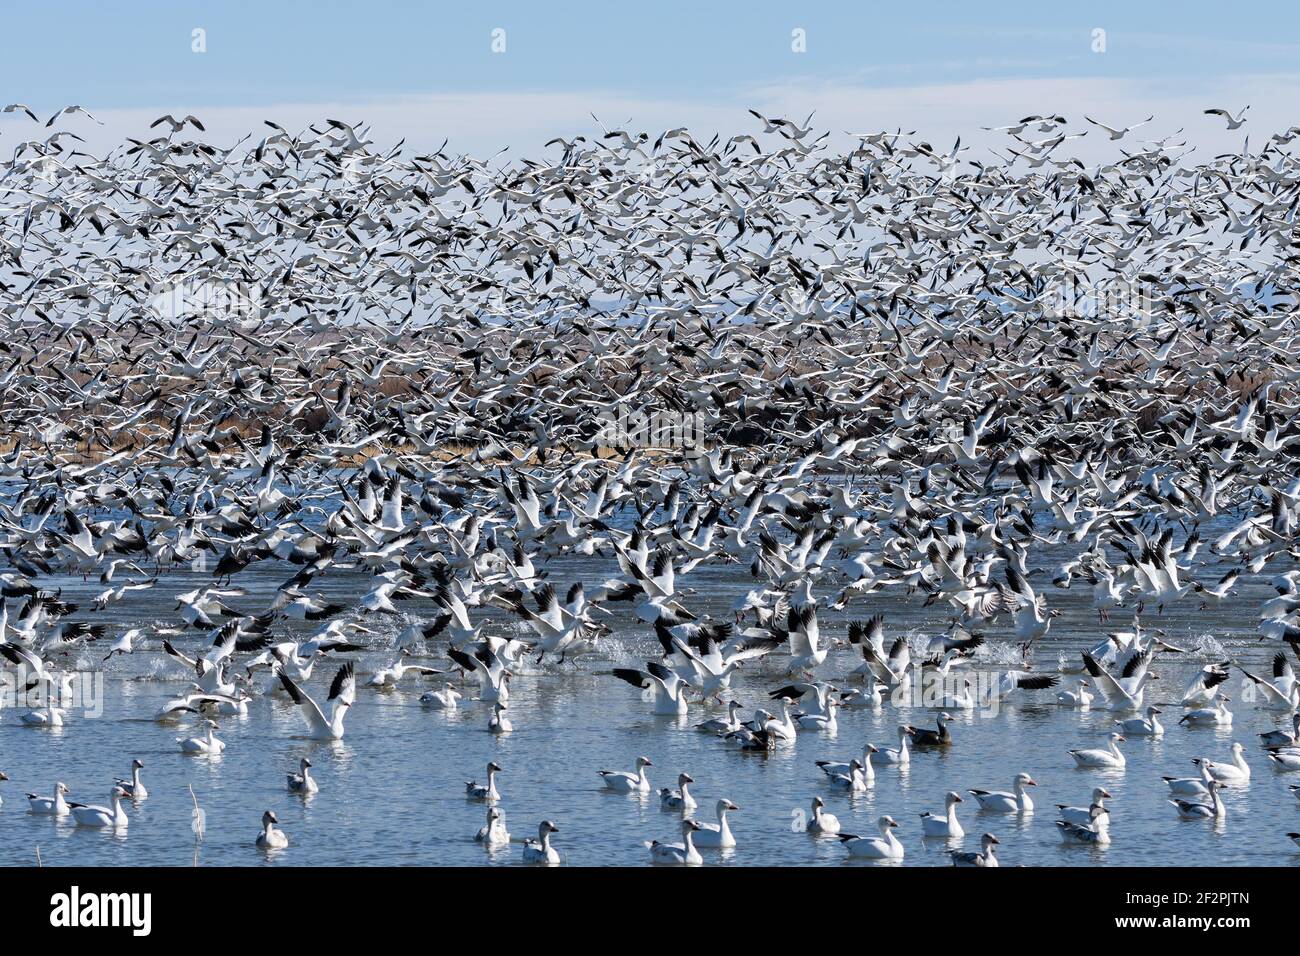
887,367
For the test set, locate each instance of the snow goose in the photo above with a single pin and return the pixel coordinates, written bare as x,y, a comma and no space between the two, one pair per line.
444,699
719,725
135,788
870,697
1283,691
680,853
1109,758
1190,786
302,782
54,806
389,677
855,781
271,838
1094,815
1148,726
1280,738
999,801
984,857
832,769
1081,698
825,723
897,756
343,691
1195,810
1078,833
680,799
494,832
110,816
884,847
945,824
207,745
669,689
1201,690
540,850
1238,771
498,722
717,835
1216,716
934,738
622,781
823,822
486,792
1285,759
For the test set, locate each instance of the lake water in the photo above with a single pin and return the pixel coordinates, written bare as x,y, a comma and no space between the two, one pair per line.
392,791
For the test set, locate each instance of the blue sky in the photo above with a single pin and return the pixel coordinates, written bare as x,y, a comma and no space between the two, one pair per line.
927,63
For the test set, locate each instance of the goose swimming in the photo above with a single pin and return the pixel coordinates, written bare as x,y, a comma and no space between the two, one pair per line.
1236,772
207,745
302,782
1216,716
884,847
999,801
681,853
1109,758
541,850
945,825
984,857
897,756
486,792
494,832
1094,815
934,738
135,788
444,699
1193,810
679,799
270,837
822,822
110,816
717,835
1148,726
55,805
638,781
343,691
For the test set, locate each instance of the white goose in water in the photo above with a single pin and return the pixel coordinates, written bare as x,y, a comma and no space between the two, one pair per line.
945,825
343,691
494,832
1280,738
680,799
1216,716
1238,771
719,725
884,847
622,781
1081,699
110,816
854,781
1080,833
1195,810
54,806
900,755
540,850
683,853
823,822
999,801
824,722
499,722
271,838
714,836
833,769
985,857
302,782
1148,726
444,699
1094,815
1110,758
207,745
486,792
1190,786
135,788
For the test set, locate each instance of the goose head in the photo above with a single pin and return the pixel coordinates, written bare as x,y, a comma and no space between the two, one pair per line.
3,775
137,764
494,767
988,840
1024,780
945,718
545,828
886,823
305,764
269,818
642,762
1099,794
952,799
61,788
684,778
818,803
724,805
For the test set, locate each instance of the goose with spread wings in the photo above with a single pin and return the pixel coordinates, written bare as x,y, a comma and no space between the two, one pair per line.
343,691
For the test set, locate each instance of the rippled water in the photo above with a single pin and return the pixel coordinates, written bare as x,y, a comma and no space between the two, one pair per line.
392,791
